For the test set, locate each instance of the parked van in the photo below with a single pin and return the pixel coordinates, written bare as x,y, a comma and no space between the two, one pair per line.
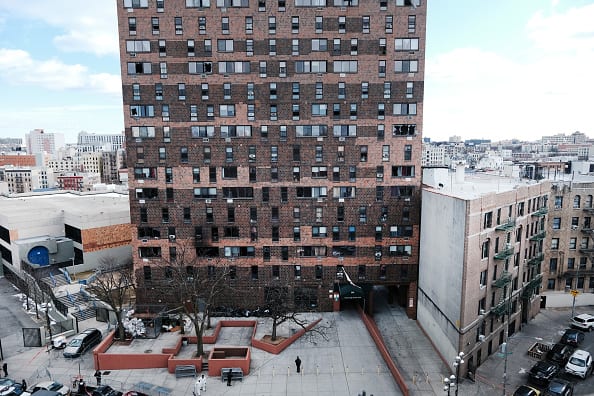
82,342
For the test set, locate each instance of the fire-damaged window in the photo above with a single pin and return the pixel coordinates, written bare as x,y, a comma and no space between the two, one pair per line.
306,298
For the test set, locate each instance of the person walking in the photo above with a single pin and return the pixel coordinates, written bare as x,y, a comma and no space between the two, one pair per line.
98,377
197,387
203,383
229,376
298,364
24,385
5,369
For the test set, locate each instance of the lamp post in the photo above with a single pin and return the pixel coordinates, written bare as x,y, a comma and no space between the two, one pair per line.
459,361
73,269
448,383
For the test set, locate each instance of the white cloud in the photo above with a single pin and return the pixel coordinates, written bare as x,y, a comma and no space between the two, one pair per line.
571,30
17,67
89,26
476,93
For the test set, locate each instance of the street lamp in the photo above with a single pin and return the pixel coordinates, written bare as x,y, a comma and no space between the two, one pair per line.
448,383
457,363
73,269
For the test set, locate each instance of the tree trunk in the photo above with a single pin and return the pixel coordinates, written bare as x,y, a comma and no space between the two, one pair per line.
199,344
120,330
273,336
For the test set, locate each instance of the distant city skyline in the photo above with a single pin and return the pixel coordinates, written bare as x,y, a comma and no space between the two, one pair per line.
494,71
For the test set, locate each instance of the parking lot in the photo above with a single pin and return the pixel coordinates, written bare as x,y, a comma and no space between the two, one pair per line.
547,327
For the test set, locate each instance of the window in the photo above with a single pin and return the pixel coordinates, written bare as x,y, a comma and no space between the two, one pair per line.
225,45
381,69
401,250
295,91
319,109
271,25
406,66
365,24
200,67
295,24
341,24
234,67
406,44
354,46
389,24
344,192
403,171
407,152
385,153
483,279
412,22
387,90
203,131
409,89
139,68
139,111
225,25
197,3
181,91
132,26
576,202
249,25
272,47
135,46
250,91
405,109
364,90
319,45
319,24
178,25
485,249
262,68
227,110
363,153
282,69
555,243
382,46
556,223
143,131
344,66
310,67
336,46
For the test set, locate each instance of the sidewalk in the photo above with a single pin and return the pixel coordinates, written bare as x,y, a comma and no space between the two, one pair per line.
347,364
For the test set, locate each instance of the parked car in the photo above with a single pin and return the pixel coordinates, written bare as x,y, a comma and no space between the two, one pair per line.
45,392
580,363
106,390
572,337
9,387
135,393
82,342
542,372
559,387
50,386
525,390
560,353
583,322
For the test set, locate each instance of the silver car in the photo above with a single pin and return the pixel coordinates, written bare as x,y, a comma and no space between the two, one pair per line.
82,342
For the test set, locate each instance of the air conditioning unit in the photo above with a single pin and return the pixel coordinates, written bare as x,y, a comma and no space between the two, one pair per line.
379,175
378,255
205,140
574,227
482,311
481,337
207,201
172,237
341,139
144,240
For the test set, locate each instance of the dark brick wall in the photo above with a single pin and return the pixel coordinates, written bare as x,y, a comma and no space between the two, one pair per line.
397,270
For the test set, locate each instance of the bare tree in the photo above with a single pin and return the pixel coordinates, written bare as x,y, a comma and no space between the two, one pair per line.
114,285
279,308
193,288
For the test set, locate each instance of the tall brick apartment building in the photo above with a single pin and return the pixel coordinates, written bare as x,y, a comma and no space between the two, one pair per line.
282,138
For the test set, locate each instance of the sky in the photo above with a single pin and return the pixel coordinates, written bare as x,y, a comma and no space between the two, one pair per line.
494,69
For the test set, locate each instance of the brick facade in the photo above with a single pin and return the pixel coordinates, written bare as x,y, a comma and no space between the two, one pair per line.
260,197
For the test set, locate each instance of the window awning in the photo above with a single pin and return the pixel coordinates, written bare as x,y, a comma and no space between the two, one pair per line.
350,292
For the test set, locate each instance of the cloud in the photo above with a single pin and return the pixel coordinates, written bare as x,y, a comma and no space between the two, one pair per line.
17,67
88,26
571,30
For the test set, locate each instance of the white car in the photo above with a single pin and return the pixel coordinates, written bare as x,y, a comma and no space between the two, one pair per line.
48,385
580,363
583,322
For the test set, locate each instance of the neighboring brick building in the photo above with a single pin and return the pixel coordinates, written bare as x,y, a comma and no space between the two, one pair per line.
280,137
569,249
482,249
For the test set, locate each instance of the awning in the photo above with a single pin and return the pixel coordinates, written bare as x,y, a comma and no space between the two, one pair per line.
350,292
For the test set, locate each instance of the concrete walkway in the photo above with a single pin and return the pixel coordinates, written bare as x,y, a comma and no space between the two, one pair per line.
346,363
411,350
